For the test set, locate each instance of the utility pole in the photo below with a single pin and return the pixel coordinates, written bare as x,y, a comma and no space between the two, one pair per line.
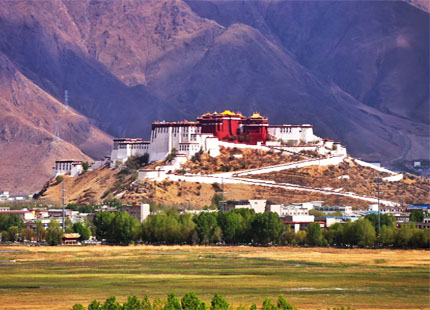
64,211
379,212
222,202
378,182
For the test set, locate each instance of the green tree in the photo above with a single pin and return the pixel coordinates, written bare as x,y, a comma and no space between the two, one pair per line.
54,233
123,228
146,303
387,235
219,303
206,227
202,306
253,307
27,234
111,304
85,166
386,219
267,228
132,303
40,231
317,213
416,216
229,224
314,234
13,233
190,302
94,305
102,221
267,304
361,233
68,226
283,304
158,304
4,236
78,307
172,303
403,235
82,230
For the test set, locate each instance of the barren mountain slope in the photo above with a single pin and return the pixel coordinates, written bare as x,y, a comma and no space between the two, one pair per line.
28,148
127,63
377,51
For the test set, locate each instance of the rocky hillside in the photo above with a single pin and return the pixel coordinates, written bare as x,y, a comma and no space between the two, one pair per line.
356,70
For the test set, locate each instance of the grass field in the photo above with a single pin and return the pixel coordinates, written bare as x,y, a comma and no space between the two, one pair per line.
311,278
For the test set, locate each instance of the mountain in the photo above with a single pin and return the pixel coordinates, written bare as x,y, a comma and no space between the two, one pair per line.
28,145
357,70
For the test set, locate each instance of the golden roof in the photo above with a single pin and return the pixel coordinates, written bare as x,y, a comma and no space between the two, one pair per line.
256,115
227,112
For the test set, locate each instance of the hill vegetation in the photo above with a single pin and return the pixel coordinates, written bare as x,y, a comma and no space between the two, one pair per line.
234,159
351,177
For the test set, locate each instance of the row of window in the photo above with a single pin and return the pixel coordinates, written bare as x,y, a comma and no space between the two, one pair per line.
188,147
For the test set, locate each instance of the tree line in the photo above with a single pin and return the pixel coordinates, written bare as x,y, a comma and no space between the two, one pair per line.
244,226
188,302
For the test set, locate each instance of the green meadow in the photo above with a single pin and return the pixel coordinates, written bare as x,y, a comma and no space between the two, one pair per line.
310,278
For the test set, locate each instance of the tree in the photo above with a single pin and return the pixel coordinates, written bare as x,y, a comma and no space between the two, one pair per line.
283,304
78,307
219,303
4,236
102,221
146,303
206,227
111,304
267,228
40,231
68,225
13,233
122,228
94,305
314,235
190,302
267,304
27,234
172,303
229,224
416,216
387,235
132,303
386,219
85,166
403,235
54,233
59,179
317,213
9,220
82,230
157,304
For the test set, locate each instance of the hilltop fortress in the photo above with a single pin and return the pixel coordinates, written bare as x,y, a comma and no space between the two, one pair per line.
209,133
228,129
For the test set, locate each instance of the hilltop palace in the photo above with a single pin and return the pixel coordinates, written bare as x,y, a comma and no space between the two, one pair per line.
212,131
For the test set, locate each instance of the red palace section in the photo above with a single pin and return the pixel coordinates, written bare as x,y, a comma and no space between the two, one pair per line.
234,127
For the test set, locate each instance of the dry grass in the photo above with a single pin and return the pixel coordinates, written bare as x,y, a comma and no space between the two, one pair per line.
87,188
195,195
411,189
311,278
234,159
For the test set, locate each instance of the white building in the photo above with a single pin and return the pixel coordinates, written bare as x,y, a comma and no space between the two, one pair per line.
293,135
71,167
124,148
258,205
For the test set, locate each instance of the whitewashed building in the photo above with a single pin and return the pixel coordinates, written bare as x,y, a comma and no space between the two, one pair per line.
70,167
124,148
